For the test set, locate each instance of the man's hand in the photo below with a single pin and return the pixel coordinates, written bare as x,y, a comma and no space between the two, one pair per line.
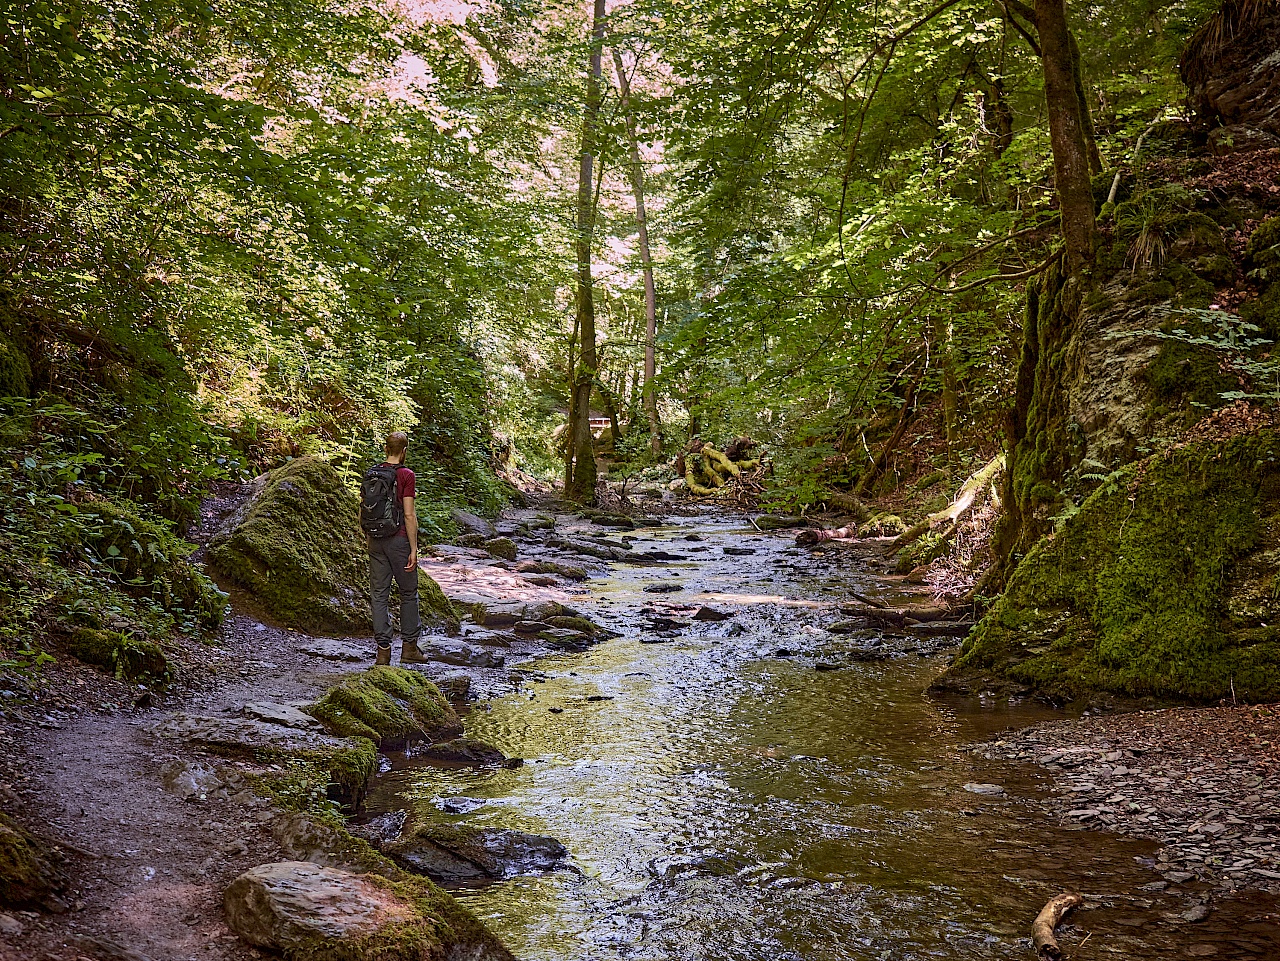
413,561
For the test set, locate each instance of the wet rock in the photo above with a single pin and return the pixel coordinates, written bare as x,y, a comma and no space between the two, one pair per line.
693,537
285,715
461,654
826,666
547,610
10,926
463,750
381,829
454,854
455,687
656,639
613,520
738,551
667,587
458,805
1195,913
192,780
303,911
710,614
503,547
656,556
989,790
782,652
668,624
471,524
566,640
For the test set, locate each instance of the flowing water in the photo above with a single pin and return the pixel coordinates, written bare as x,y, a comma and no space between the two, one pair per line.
721,802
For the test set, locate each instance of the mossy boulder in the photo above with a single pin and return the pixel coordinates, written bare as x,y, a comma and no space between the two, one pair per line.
27,876
128,658
144,554
1262,255
296,545
387,705
1161,585
304,912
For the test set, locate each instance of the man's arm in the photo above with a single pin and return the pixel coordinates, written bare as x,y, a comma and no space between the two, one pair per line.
411,528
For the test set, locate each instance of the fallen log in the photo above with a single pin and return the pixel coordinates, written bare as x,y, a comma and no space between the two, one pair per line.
810,537
953,512
898,616
1047,920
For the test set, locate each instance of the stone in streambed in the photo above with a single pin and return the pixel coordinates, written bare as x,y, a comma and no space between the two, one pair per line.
462,750
989,790
304,911
664,588
848,626
776,522
551,567
710,614
453,854
461,654
531,627
503,547
284,714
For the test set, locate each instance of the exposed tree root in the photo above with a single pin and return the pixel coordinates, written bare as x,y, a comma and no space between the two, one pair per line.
710,472
1047,920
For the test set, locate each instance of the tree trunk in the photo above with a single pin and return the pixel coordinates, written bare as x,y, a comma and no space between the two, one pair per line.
650,297
580,473
1067,131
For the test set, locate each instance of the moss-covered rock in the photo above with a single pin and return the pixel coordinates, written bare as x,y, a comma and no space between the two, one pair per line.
128,658
388,705
1262,255
145,554
305,912
296,545
503,547
27,876
1158,586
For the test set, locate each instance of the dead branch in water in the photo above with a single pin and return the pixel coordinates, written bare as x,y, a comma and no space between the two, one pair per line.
1047,920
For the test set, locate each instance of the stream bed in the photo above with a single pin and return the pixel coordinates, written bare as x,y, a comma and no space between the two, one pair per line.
756,788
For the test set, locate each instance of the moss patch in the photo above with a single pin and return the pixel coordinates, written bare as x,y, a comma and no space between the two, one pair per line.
298,547
1132,595
128,658
26,875
388,705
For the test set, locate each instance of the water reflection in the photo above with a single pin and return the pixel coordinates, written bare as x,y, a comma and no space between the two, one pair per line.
725,805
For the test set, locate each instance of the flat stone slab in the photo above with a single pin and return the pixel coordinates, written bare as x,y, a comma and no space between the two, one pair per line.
285,715
243,735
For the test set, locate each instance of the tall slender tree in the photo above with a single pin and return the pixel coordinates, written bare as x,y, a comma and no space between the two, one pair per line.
642,223
580,465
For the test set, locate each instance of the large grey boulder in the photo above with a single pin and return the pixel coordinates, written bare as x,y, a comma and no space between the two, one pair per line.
304,911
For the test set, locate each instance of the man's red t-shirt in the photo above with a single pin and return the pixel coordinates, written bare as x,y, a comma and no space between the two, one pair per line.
406,486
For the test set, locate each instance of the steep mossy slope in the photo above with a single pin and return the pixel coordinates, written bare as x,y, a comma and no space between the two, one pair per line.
1163,584
297,546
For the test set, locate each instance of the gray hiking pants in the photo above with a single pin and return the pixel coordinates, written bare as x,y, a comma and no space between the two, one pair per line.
387,558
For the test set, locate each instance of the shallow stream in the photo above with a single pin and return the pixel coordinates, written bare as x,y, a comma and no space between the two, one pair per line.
721,801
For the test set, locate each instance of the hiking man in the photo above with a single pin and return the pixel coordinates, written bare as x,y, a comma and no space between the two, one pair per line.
387,515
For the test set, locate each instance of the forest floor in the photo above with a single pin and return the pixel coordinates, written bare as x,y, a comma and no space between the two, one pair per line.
151,830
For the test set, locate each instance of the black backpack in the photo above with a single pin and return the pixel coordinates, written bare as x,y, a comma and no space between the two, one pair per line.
381,512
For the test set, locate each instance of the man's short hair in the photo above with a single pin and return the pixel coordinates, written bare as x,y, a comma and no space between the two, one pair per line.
397,443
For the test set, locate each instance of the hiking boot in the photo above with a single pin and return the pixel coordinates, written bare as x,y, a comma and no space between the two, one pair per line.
410,654
384,656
